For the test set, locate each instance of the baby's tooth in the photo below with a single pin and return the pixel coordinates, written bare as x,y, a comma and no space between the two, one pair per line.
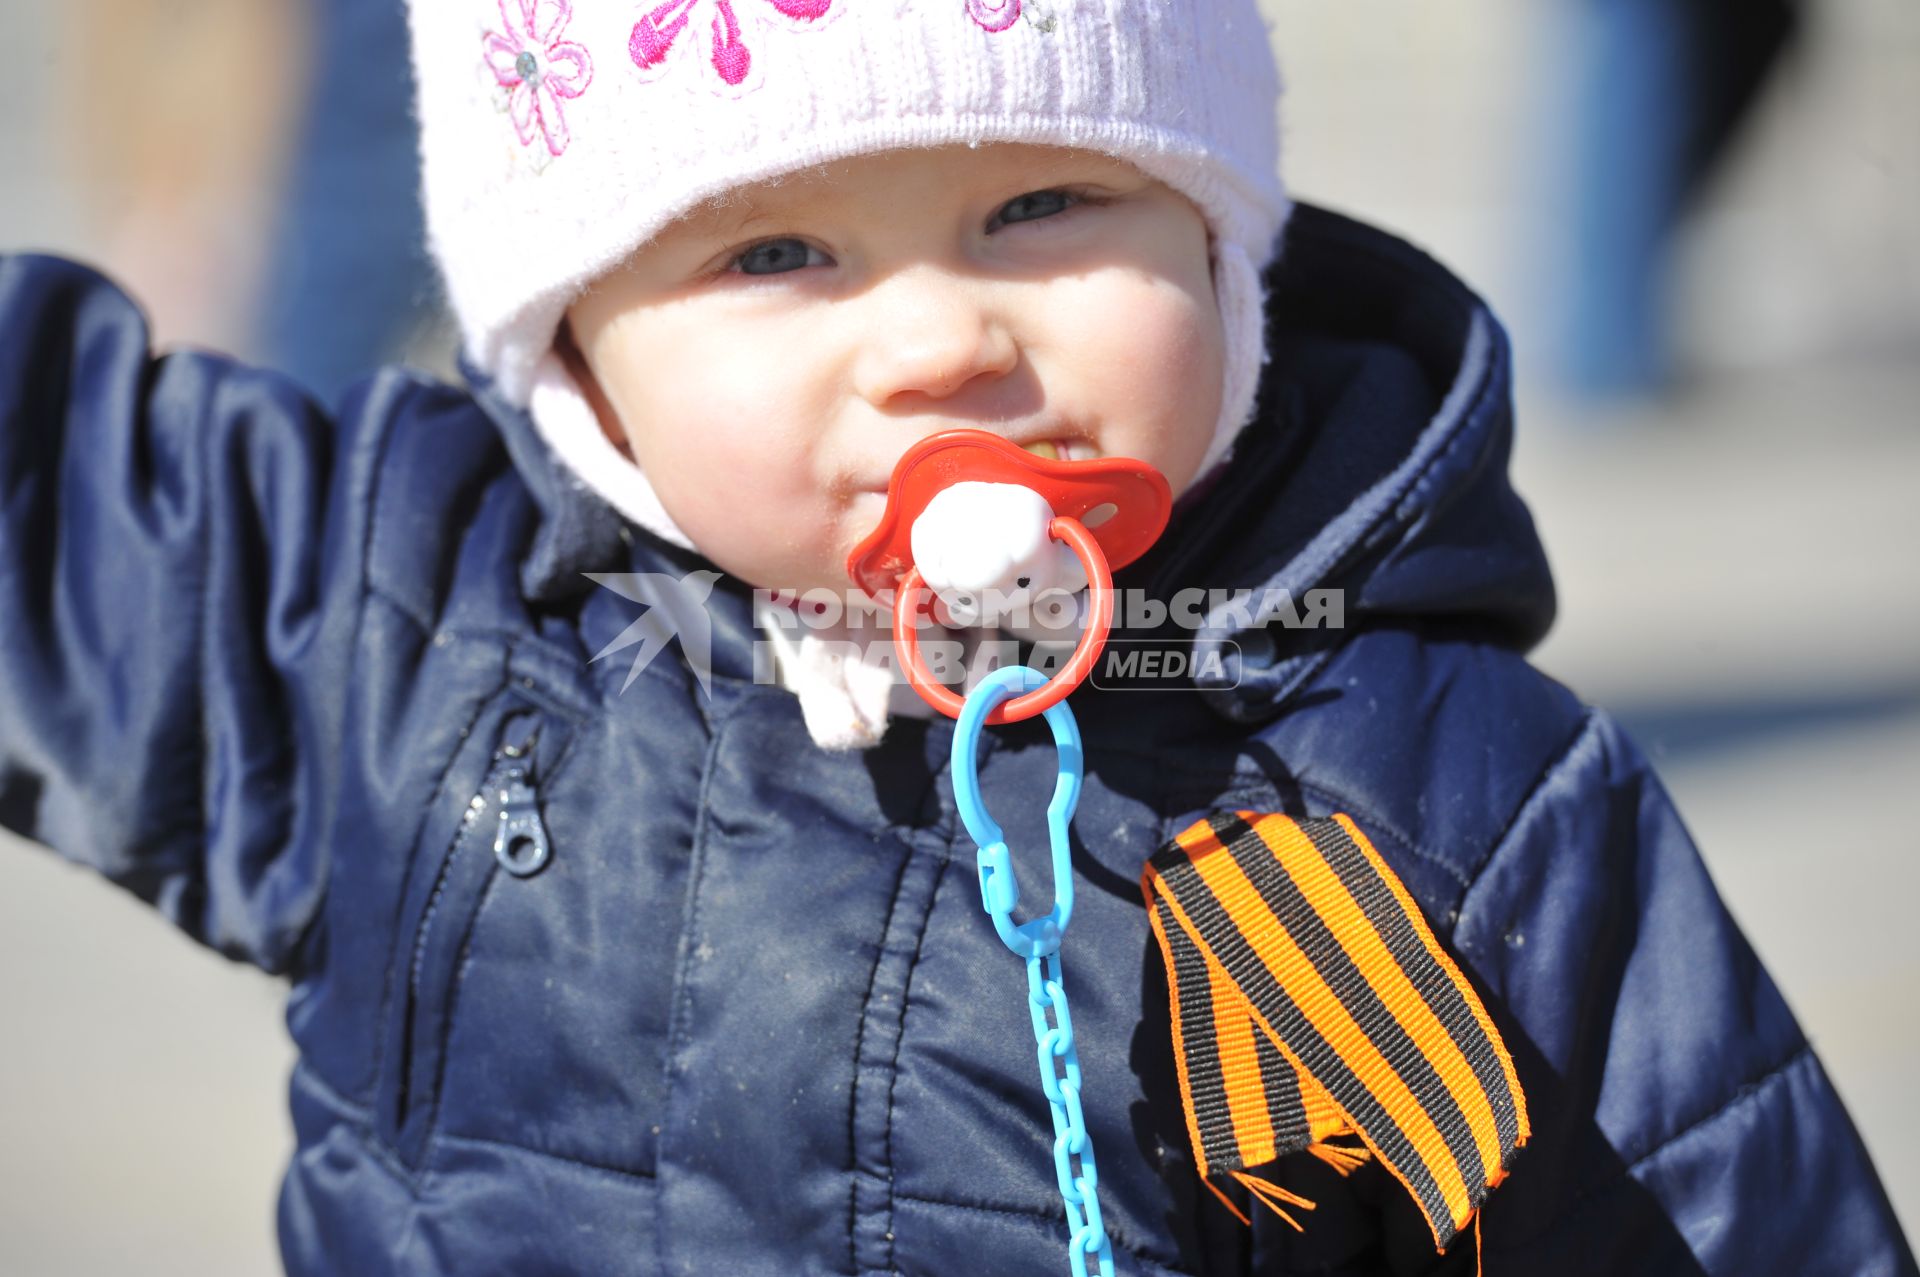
1043,449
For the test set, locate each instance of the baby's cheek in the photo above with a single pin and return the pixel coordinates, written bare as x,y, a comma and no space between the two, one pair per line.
726,486
1161,357
1163,330
749,419
752,509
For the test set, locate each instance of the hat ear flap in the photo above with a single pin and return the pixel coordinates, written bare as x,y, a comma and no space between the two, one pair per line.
564,415
1241,294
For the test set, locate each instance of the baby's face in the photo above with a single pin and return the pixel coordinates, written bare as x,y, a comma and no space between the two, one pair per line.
767,360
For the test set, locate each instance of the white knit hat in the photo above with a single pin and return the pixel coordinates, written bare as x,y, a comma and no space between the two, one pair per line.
556,141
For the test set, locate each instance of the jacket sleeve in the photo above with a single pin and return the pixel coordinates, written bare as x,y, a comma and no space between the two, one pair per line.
1682,1124
179,576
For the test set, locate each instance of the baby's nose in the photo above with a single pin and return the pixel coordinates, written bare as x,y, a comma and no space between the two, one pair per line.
932,336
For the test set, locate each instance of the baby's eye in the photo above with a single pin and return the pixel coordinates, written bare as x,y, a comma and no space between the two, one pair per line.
1034,206
775,257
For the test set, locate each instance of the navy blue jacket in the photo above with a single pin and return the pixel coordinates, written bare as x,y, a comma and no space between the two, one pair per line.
265,667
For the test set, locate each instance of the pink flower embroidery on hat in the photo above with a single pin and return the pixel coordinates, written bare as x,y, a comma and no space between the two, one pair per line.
538,67
659,29
994,15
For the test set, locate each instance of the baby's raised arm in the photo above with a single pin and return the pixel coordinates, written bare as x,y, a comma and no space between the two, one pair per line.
179,567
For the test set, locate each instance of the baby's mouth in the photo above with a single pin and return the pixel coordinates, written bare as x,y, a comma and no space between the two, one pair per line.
1048,449
1062,449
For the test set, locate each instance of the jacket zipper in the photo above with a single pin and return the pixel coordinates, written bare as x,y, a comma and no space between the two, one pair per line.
520,844
506,757
517,840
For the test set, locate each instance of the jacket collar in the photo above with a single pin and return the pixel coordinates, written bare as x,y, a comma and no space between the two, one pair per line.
576,530
1375,466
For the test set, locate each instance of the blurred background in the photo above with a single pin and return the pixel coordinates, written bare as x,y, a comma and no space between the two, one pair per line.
1700,220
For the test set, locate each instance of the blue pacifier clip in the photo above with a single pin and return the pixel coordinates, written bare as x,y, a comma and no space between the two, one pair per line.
1038,942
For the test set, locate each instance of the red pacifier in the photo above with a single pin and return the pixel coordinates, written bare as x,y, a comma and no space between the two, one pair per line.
1107,510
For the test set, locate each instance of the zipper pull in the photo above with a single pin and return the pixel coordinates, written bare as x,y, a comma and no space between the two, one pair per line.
521,844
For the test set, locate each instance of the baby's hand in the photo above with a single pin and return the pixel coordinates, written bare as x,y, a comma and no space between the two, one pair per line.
983,549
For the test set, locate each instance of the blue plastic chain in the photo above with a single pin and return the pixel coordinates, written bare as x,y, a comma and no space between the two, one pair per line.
1038,942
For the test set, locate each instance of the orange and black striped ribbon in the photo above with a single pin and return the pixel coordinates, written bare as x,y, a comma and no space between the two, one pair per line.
1311,1001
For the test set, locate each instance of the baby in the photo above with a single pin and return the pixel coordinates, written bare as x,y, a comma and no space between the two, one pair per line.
1059,297
664,966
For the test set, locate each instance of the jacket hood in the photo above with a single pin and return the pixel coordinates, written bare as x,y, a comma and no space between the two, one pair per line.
1376,465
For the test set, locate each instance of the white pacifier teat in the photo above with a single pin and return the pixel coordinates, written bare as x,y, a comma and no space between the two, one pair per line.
985,551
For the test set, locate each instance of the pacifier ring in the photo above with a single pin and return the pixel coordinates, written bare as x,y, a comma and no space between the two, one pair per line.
913,598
